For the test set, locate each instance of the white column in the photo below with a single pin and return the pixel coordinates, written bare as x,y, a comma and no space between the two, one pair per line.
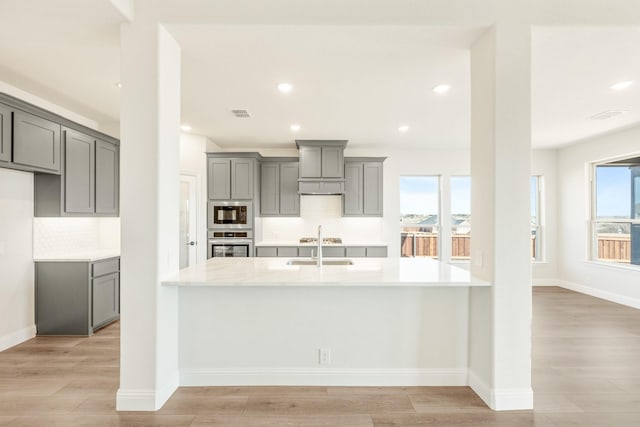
149,200
500,316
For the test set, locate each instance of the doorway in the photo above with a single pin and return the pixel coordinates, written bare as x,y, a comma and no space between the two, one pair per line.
188,220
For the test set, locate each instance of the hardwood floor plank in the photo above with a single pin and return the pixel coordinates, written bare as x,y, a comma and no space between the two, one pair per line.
284,420
437,398
184,392
332,405
614,419
465,419
206,405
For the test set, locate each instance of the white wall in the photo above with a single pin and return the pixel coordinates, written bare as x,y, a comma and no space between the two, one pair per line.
16,261
575,270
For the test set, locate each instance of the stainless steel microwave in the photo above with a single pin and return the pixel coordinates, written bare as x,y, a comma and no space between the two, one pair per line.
230,215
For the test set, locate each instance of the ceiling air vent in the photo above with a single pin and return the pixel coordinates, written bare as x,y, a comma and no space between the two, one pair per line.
241,114
606,114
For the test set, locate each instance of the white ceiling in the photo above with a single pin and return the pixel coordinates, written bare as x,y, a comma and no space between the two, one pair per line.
350,82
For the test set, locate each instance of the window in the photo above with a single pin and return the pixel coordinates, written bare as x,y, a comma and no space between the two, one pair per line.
419,216
460,217
536,225
616,212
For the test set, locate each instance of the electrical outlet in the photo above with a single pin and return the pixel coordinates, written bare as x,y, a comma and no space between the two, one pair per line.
325,356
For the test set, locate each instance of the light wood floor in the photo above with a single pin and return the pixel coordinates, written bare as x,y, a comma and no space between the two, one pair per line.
586,372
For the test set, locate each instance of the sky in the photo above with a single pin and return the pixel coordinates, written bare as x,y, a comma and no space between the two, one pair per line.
613,191
419,195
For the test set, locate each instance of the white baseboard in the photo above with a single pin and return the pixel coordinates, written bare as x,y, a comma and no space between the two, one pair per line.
145,400
17,337
546,282
136,400
323,377
501,399
599,293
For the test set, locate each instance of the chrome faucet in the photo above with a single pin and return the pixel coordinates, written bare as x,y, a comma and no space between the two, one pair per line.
319,259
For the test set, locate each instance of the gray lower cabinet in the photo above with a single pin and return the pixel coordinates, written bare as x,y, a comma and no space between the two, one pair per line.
363,187
89,184
76,298
279,188
36,142
5,133
327,251
230,178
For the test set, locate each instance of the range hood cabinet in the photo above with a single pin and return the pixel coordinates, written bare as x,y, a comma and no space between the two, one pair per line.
321,167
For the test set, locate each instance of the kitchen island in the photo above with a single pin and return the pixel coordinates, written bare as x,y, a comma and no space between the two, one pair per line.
378,322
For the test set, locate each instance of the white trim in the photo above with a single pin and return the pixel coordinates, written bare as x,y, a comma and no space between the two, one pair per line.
481,388
501,399
136,400
599,293
17,337
164,393
546,282
323,377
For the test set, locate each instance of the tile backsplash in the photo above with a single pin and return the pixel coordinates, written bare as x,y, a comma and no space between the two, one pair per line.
52,236
325,210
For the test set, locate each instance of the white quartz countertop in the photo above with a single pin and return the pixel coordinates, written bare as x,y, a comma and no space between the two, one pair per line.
78,256
296,243
416,272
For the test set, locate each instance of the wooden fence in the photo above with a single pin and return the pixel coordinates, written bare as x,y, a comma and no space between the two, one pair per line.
614,247
426,245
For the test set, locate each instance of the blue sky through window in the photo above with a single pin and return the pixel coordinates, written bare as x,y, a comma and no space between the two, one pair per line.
461,195
419,195
613,192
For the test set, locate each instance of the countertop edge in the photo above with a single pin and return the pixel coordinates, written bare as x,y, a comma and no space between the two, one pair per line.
170,283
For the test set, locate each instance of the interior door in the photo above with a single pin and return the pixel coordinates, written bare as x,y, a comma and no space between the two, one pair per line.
188,218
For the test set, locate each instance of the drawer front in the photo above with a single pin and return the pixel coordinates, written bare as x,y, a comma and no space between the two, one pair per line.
332,251
266,252
309,187
290,252
333,187
101,268
377,251
306,251
356,252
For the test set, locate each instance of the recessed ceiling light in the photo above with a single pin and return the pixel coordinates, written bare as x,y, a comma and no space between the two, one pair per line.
185,127
622,85
294,128
403,129
119,85
285,87
442,89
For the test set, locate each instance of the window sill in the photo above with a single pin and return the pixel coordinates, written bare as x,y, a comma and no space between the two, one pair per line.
630,267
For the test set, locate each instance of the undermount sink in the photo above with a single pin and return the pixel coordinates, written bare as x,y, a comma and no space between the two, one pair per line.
324,262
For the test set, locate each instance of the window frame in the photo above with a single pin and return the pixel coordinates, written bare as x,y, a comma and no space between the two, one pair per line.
438,226
593,220
539,224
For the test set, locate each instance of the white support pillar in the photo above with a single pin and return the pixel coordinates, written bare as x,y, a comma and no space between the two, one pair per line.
149,176
500,316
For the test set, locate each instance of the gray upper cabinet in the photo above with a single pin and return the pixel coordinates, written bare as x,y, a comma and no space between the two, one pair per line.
270,189
232,176
363,187
79,172
310,161
332,162
279,188
107,178
289,196
219,171
242,178
5,133
89,184
36,142
321,159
